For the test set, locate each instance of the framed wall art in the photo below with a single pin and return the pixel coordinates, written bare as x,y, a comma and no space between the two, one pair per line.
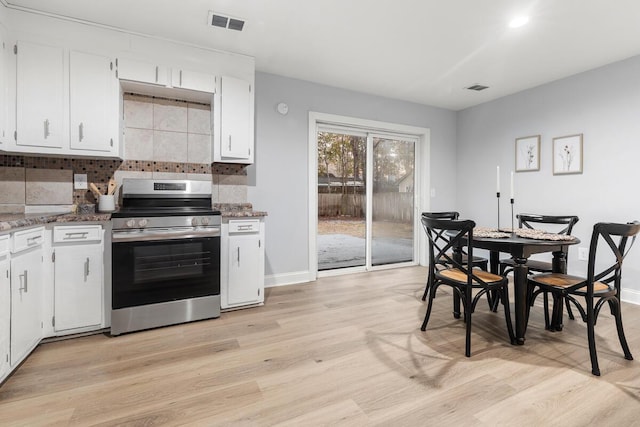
567,154
528,153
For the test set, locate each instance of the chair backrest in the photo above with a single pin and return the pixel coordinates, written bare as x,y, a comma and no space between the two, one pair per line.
609,233
528,221
443,236
442,215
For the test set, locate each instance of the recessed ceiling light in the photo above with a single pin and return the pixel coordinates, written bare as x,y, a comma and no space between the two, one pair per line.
518,21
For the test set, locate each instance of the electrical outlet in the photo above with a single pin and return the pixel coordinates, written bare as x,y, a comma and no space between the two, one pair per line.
80,181
583,254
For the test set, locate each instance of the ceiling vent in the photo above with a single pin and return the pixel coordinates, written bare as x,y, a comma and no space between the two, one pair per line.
478,88
221,21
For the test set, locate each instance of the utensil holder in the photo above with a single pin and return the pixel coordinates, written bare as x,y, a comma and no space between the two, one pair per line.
107,203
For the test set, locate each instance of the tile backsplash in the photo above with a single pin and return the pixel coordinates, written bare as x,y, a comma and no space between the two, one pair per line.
164,139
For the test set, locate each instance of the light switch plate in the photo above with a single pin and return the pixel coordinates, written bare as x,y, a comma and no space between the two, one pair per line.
80,181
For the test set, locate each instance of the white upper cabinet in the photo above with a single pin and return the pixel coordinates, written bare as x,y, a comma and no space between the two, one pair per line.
40,96
93,102
193,80
234,125
57,115
4,89
143,72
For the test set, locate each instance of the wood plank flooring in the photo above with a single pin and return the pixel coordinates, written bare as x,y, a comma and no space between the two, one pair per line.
344,350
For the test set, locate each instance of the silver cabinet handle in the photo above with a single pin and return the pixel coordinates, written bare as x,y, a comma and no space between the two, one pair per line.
81,132
156,74
75,235
33,240
229,142
180,77
238,255
86,269
26,282
46,129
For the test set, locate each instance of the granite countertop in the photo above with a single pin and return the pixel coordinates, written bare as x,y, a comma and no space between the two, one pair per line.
237,210
11,221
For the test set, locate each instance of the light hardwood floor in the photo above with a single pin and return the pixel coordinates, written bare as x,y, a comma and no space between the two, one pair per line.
344,350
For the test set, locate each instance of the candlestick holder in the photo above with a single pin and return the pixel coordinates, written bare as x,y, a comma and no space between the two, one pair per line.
512,225
498,197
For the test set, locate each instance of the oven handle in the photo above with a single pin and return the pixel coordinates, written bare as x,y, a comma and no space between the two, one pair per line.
150,235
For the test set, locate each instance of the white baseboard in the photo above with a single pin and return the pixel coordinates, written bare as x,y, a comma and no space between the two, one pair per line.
284,279
630,295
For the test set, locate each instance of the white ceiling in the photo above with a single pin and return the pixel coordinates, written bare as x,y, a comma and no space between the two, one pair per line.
425,51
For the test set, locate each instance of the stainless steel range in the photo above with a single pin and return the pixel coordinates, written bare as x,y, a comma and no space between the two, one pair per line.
165,255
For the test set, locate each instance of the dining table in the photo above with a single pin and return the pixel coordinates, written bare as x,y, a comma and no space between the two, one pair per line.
520,248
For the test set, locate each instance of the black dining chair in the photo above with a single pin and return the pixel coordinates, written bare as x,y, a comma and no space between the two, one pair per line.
560,224
601,284
479,262
460,275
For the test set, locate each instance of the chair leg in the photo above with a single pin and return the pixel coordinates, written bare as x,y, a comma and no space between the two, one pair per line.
426,288
467,318
545,296
621,337
595,369
569,311
428,313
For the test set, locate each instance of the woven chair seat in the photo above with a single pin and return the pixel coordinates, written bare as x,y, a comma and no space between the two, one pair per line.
459,276
562,281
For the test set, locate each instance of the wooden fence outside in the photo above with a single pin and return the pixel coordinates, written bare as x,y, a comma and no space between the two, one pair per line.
396,207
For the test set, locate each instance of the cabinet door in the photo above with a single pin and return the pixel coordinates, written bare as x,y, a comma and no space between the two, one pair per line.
143,72
244,273
78,286
236,139
93,100
5,313
26,303
4,90
193,80
39,92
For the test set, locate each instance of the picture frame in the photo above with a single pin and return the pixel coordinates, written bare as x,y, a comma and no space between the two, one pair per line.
528,153
567,154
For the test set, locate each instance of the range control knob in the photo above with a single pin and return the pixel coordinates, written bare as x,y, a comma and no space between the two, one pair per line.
130,223
194,222
205,221
143,223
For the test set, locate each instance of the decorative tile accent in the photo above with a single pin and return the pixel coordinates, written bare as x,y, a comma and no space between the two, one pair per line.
228,169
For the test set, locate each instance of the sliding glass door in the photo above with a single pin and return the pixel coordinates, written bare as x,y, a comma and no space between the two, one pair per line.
366,198
392,201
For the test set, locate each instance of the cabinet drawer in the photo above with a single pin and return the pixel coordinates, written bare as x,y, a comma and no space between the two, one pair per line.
4,245
244,226
26,239
79,233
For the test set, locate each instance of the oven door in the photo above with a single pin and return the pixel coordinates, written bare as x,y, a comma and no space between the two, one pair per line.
156,271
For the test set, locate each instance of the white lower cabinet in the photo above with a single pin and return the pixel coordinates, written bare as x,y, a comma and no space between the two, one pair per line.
5,306
26,292
78,278
242,263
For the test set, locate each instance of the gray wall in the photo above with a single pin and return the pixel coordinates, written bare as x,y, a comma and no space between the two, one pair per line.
604,105
278,182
